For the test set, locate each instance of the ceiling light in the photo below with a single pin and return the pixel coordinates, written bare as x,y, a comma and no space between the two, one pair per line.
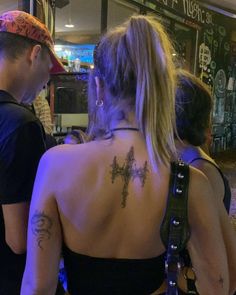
69,25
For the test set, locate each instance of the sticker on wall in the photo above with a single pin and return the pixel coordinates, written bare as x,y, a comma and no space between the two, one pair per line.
204,56
205,61
219,96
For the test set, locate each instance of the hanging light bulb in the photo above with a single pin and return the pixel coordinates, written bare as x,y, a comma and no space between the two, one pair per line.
69,24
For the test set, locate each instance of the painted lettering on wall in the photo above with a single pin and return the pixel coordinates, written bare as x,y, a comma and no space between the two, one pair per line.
190,8
194,11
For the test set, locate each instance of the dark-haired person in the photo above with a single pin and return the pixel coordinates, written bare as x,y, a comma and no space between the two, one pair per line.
105,212
26,60
193,120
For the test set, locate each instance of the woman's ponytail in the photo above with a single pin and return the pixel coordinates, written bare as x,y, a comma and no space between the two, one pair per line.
151,54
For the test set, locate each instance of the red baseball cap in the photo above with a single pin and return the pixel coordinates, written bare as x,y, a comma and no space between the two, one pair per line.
24,24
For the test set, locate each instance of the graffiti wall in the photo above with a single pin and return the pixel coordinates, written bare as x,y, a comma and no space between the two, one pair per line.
217,70
215,62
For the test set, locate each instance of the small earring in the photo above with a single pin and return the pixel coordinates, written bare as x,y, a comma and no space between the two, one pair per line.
99,103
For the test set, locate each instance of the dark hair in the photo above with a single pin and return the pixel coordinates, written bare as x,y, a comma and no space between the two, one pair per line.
13,45
193,108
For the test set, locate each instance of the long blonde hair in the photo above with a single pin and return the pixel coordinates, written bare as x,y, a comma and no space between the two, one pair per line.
134,61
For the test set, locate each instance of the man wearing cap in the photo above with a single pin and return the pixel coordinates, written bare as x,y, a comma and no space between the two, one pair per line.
26,60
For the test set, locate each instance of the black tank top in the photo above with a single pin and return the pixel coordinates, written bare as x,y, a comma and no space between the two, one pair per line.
88,275
227,195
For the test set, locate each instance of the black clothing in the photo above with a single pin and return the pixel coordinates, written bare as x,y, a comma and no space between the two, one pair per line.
22,143
50,141
227,194
92,275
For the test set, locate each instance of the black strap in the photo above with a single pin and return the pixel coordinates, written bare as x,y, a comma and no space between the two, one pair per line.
191,287
175,230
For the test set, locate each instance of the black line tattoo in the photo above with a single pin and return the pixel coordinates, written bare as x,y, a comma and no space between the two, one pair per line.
41,225
221,281
128,172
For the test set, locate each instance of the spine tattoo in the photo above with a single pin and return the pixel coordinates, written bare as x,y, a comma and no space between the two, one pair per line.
41,226
128,171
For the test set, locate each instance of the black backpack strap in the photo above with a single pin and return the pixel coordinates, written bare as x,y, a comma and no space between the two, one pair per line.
175,230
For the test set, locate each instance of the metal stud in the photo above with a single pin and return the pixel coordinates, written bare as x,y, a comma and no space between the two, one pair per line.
176,222
172,283
179,191
180,175
173,247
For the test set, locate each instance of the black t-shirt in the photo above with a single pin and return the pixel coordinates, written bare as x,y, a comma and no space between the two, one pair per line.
22,143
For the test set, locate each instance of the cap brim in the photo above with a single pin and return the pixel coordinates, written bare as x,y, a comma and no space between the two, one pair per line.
57,66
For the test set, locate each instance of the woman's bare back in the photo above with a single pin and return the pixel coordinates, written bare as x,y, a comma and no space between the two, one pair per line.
111,203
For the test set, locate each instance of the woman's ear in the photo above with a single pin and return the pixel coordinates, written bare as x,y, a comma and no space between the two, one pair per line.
99,89
98,86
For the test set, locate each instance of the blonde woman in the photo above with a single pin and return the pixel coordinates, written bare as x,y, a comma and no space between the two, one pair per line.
102,203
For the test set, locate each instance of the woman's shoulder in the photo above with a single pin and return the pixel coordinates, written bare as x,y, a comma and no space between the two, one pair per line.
197,176
68,154
213,174
199,184
64,149
200,190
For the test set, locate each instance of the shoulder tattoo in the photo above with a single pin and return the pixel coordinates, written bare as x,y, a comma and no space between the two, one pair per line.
128,171
41,226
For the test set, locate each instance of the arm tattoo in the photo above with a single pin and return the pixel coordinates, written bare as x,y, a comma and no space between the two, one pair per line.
41,225
128,172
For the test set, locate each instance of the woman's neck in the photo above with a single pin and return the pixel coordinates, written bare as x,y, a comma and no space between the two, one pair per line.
124,129
124,124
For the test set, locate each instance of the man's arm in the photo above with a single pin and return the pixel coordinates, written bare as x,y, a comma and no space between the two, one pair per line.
20,157
16,221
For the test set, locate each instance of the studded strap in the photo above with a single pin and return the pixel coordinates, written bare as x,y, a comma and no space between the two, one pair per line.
175,230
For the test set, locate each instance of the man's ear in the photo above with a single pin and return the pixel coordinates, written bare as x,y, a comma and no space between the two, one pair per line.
35,52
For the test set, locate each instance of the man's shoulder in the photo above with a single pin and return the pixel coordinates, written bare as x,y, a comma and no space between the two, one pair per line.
16,113
13,116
